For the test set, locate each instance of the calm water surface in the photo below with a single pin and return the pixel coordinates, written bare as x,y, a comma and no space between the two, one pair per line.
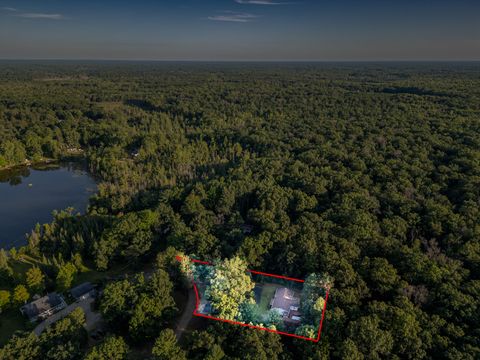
29,195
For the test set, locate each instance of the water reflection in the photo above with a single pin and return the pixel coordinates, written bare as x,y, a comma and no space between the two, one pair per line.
14,176
29,195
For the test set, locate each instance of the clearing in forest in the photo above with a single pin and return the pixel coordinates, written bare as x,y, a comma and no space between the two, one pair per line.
227,291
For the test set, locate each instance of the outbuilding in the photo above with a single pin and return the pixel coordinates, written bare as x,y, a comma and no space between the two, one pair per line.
83,291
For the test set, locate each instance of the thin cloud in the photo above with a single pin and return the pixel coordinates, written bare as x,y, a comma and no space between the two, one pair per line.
234,17
6,8
41,16
262,2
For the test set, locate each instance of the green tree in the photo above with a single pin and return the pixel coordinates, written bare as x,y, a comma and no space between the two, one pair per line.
153,308
35,279
307,331
187,269
166,348
65,276
274,319
215,353
5,269
139,305
255,344
112,348
65,338
4,299
20,295
313,296
13,152
230,286
371,340
350,351
129,237
249,312
21,346
382,275
117,301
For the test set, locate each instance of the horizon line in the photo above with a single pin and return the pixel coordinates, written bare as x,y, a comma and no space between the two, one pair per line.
252,60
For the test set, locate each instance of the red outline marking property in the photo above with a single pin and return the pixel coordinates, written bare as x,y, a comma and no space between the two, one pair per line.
197,302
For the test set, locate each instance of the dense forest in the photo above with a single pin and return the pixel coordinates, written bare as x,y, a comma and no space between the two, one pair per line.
367,172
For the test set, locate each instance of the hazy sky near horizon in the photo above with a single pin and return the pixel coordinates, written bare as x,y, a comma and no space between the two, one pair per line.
240,29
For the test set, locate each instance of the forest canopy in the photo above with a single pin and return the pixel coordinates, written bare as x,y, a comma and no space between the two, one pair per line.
367,172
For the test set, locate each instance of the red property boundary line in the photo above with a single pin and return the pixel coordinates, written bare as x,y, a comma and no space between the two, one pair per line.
197,302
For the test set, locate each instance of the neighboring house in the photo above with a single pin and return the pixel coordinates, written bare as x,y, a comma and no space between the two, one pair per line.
44,307
287,303
83,291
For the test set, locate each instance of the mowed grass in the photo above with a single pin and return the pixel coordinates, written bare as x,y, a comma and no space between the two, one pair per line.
21,265
268,291
11,320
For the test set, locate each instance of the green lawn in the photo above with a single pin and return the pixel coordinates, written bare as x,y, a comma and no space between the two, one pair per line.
21,264
89,274
268,291
10,321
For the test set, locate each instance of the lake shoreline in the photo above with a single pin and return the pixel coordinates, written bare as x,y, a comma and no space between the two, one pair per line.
30,194
28,163
44,161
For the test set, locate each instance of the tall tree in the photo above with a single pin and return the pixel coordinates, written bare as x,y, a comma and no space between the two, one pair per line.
65,276
35,279
112,348
230,285
5,298
20,295
166,347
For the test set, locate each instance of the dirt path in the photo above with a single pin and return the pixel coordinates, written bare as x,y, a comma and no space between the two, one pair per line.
187,315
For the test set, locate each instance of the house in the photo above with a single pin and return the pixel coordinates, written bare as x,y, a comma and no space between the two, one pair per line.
83,291
44,307
287,303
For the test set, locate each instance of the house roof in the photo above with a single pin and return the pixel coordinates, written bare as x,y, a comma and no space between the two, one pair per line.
284,298
81,289
41,305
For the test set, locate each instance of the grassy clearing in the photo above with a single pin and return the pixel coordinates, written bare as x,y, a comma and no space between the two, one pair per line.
20,266
90,275
11,320
268,291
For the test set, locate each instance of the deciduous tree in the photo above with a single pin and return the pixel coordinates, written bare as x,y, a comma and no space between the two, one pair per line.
230,286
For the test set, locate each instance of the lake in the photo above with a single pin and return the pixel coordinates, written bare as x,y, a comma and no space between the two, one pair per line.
29,195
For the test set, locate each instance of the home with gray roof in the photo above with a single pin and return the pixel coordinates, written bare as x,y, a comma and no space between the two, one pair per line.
43,307
83,291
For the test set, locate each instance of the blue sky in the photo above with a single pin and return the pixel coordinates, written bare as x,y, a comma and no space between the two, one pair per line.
241,29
